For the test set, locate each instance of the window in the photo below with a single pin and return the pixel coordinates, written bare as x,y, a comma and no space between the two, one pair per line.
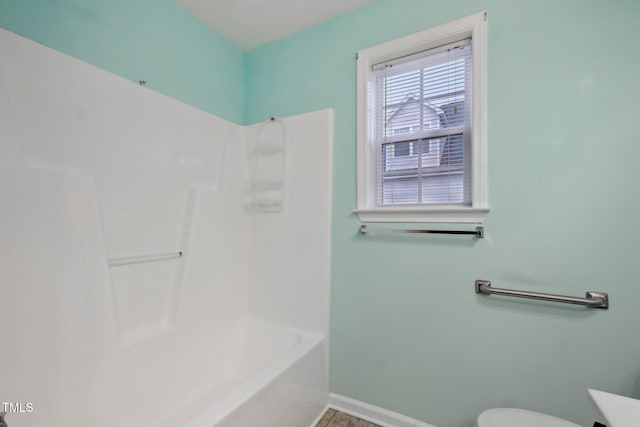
421,126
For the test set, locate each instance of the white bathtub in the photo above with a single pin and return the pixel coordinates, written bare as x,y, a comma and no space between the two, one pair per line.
277,378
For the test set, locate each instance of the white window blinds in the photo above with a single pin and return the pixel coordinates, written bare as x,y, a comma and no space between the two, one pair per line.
421,115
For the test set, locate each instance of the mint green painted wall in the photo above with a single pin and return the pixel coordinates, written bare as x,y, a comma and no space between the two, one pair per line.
408,333
153,40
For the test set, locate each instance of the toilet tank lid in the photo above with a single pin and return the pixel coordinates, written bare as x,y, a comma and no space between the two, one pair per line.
510,417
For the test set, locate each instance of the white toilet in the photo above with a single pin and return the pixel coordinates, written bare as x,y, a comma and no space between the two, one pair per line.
509,417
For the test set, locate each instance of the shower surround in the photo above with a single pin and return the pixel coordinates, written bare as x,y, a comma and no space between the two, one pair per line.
94,168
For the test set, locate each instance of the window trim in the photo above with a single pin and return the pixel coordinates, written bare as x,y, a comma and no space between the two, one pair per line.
474,26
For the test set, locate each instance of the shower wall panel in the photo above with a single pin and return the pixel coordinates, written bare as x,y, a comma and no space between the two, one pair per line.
93,167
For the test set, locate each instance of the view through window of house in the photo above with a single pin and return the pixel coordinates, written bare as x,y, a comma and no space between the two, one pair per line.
422,127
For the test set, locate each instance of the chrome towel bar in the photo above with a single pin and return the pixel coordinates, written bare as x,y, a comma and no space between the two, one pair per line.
478,232
592,300
136,259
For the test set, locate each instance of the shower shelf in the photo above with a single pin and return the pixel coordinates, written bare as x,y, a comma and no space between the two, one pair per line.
268,167
270,149
266,185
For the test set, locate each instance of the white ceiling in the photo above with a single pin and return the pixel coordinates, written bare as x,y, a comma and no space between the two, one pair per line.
251,23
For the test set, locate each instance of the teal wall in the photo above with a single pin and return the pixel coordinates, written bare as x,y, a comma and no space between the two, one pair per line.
153,40
408,333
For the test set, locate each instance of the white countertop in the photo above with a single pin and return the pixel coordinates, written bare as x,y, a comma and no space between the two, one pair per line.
619,411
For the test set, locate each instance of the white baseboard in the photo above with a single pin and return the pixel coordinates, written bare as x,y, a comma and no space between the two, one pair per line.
373,414
319,417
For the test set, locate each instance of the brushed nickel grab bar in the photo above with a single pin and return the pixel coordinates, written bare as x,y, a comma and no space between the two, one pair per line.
478,232
136,259
592,300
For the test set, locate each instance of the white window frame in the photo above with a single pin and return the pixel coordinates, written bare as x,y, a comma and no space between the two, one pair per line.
474,26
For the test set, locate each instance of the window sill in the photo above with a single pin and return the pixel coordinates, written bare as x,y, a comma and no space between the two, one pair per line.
421,214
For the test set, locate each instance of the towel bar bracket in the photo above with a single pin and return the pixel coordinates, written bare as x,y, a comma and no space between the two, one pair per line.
599,295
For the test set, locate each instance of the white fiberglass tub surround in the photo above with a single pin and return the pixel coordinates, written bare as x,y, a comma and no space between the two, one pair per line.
93,167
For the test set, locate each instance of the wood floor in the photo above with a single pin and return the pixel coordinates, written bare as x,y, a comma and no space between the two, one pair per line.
333,418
